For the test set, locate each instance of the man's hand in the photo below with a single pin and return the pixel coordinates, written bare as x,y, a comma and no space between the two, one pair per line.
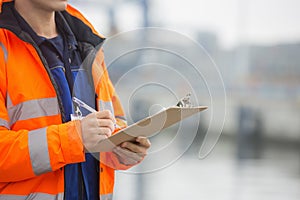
96,127
131,153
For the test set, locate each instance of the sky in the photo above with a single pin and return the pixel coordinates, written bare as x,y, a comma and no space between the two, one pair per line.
265,22
235,21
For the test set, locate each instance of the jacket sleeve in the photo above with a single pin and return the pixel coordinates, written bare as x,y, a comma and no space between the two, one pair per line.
28,153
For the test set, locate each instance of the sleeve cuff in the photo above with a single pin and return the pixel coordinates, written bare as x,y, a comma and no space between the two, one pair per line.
71,142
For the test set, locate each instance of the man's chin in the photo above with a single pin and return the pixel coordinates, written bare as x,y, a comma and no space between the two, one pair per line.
62,6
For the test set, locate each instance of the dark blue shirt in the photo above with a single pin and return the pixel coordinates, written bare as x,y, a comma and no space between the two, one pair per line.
63,56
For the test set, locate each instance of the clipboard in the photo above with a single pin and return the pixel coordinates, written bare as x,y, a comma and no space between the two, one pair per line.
149,126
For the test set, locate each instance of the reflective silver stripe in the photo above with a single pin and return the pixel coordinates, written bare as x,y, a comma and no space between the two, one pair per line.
106,105
38,150
106,197
121,118
4,123
4,51
33,109
9,104
33,196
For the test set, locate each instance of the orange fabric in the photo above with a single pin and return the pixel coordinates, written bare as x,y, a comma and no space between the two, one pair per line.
98,71
2,1
67,135
64,140
23,77
23,52
40,121
15,164
41,184
3,88
78,15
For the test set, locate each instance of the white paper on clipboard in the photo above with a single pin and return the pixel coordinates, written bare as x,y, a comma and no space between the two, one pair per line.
149,126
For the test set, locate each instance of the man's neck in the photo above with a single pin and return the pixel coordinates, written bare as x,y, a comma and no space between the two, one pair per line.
41,21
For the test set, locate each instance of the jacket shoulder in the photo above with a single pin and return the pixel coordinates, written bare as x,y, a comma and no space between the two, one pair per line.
76,13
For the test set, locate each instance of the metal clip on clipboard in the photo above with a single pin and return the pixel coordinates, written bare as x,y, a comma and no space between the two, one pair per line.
185,102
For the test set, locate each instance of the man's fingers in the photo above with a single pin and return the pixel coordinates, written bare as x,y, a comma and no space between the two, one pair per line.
140,146
136,148
106,123
132,153
143,141
126,156
105,131
96,127
105,114
91,143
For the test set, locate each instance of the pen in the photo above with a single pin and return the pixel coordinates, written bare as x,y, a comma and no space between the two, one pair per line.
84,105
92,110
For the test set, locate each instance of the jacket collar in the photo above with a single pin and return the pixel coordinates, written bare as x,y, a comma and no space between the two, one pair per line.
61,23
7,18
3,1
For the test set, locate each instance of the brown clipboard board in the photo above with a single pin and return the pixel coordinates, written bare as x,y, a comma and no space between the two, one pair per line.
149,126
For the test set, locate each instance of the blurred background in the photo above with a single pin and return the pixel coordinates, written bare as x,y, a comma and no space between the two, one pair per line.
255,45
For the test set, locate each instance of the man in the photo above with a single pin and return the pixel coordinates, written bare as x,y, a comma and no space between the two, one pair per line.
49,54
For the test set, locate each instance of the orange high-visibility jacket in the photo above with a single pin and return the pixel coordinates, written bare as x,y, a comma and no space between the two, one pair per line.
34,143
